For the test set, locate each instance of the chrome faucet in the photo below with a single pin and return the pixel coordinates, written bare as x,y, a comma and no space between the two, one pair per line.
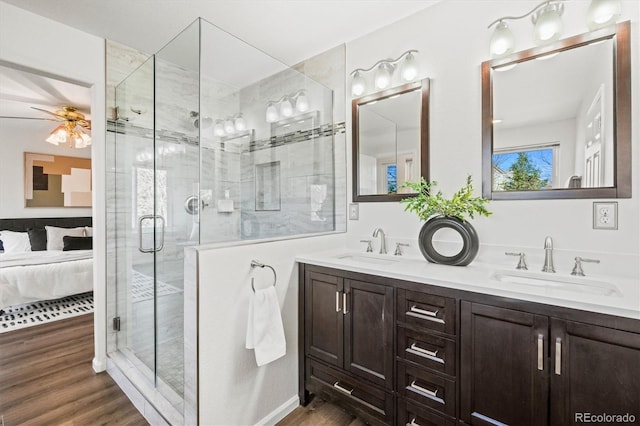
548,256
383,244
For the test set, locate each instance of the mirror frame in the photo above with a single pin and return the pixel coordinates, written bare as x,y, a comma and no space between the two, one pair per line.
622,112
423,86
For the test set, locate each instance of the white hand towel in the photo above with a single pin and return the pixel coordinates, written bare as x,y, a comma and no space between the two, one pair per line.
265,333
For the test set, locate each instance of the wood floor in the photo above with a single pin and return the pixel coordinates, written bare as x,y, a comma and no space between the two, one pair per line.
46,378
320,413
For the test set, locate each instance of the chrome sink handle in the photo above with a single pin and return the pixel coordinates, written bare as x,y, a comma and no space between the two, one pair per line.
577,268
522,263
369,246
398,251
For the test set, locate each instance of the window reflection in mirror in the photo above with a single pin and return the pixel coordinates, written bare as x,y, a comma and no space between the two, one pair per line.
390,142
556,119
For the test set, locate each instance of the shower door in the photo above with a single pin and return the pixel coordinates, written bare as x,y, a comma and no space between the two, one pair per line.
154,172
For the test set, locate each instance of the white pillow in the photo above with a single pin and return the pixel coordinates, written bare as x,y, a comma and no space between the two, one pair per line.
15,242
88,231
55,234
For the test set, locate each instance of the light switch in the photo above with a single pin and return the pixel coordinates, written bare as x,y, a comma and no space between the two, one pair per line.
605,215
354,212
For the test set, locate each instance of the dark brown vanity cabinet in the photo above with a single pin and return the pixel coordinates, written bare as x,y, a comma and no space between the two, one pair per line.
521,368
348,339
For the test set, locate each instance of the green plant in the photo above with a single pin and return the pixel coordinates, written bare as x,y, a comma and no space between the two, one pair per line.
426,204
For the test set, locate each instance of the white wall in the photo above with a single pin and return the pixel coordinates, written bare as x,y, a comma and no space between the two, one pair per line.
16,138
453,41
233,390
31,41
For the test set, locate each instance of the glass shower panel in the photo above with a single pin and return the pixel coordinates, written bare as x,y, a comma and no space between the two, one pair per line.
177,129
134,186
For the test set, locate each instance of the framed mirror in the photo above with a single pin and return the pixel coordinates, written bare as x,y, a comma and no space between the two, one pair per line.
390,142
556,120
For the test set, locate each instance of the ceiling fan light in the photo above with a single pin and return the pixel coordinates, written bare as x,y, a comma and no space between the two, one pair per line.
603,13
502,40
58,136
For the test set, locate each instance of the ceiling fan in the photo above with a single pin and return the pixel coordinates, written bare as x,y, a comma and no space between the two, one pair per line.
73,129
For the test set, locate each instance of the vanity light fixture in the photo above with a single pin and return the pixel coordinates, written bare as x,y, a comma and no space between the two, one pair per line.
547,21
230,125
383,75
602,13
287,106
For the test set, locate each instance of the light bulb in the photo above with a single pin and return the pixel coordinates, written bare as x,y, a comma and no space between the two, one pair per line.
272,113
302,102
548,24
228,126
502,40
383,76
409,69
286,108
218,129
358,85
239,123
602,13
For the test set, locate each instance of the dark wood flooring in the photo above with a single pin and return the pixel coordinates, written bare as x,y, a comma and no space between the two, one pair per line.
46,378
320,413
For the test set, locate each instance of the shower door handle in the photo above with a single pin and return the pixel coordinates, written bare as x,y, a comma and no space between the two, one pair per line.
154,218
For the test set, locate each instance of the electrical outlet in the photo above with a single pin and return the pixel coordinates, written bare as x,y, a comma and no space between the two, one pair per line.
354,211
605,215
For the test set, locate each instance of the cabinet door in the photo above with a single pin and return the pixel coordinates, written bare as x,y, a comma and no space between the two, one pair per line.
369,331
595,370
323,317
504,366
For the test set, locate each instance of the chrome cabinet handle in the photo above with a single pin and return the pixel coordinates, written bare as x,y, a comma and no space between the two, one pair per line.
540,352
337,301
344,303
421,389
417,310
341,389
558,367
424,351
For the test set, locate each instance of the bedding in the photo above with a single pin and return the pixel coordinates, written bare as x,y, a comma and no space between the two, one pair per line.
32,276
15,241
37,238
77,243
55,235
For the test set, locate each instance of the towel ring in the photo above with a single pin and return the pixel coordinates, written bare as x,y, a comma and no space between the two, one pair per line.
254,264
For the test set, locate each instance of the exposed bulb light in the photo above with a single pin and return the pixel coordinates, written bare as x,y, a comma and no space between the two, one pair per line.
603,13
409,68
272,113
239,123
286,108
218,129
358,85
382,77
502,40
548,24
302,102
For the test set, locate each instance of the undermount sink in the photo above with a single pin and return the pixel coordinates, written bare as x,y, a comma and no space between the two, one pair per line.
367,258
554,281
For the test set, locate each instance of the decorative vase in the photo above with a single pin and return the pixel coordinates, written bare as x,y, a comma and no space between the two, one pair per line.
468,233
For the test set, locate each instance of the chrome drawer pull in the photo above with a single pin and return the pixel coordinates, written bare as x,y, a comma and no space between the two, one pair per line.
424,351
341,389
540,352
413,422
558,356
417,310
344,303
337,301
421,389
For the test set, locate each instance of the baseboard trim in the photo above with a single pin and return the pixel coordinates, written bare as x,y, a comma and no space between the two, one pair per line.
280,413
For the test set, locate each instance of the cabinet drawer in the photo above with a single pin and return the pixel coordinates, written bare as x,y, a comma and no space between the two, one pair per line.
427,311
412,414
427,388
364,398
436,353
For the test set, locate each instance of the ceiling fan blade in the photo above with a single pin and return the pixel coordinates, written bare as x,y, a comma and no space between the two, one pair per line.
28,118
49,112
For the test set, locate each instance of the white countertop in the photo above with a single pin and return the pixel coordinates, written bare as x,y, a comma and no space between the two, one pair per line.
481,278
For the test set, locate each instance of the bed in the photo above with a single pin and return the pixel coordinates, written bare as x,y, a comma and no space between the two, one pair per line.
60,269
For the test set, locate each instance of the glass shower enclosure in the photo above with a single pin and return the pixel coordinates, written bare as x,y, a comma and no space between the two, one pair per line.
214,141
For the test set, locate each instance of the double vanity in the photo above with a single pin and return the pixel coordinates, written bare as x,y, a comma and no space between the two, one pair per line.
397,340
